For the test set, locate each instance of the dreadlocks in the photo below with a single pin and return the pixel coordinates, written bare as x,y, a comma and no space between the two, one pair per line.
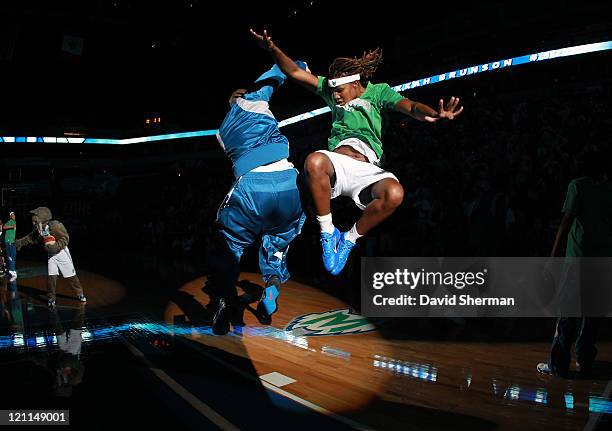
365,65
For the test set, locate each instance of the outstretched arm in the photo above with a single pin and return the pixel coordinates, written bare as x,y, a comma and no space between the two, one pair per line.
564,227
422,112
289,68
27,240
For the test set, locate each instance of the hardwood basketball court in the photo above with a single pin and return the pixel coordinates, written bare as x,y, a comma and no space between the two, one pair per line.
318,351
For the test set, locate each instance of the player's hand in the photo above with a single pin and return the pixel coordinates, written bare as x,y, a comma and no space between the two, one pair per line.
263,40
451,110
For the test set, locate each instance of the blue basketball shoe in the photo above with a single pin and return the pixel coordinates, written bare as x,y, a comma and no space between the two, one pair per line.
344,249
329,242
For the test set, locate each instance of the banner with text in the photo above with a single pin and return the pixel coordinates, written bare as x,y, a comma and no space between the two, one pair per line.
486,287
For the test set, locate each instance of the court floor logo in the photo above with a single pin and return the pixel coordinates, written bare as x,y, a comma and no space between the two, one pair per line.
333,322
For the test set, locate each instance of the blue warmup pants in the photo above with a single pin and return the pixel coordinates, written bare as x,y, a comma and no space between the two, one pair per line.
580,331
11,254
262,205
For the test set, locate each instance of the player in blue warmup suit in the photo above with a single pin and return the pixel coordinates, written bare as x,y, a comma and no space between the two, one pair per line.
264,201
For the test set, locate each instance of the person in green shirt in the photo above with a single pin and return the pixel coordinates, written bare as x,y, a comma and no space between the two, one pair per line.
10,229
587,224
350,167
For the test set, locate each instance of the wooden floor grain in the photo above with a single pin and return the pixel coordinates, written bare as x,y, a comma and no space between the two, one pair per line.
396,382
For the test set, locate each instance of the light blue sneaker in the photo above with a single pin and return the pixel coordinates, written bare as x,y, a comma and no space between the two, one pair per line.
267,305
329,242
344,249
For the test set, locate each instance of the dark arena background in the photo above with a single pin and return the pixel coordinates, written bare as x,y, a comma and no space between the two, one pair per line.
108,110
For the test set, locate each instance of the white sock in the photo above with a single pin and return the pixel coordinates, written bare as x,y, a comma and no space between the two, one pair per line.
352,235
326,223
